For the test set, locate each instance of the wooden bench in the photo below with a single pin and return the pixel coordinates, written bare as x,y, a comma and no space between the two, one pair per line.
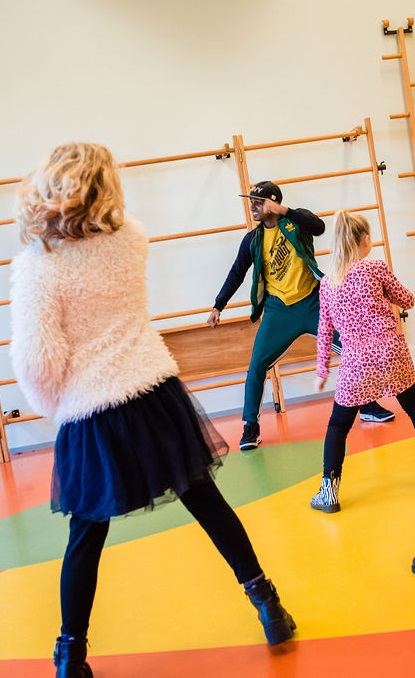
205,353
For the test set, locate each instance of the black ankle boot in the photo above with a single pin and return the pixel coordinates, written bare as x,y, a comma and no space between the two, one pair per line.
69,658
278,624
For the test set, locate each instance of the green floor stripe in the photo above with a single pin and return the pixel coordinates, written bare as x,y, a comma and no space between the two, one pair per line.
35,535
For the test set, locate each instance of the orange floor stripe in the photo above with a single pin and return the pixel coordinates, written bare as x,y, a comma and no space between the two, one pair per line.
369,656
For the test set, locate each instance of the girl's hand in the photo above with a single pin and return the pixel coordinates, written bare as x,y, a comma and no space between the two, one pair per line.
320,383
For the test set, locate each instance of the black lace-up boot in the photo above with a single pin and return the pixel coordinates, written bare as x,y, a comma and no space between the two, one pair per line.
69,658
278,624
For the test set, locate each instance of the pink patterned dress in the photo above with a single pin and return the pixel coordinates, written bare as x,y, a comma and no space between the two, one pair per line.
375,358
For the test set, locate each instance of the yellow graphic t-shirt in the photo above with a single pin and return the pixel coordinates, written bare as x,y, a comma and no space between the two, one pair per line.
286,275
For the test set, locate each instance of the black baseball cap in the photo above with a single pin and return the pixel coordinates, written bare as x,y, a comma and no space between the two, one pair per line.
264,190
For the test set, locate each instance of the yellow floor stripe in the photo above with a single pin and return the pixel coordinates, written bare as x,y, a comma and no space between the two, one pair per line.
342,574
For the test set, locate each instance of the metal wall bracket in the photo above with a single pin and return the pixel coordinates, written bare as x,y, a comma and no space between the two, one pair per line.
387,31
12,414
225,155
353,134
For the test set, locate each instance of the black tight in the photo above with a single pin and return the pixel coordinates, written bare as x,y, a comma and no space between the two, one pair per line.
340,423
406,400
79,573
223,526
86,541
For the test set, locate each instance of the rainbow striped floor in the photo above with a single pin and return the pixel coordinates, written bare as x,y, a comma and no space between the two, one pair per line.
168,606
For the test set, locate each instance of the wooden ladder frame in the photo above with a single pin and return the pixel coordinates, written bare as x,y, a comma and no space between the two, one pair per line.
407,85
225,352
241,151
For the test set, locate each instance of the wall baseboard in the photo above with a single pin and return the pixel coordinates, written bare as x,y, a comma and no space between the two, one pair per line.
212,415
270,404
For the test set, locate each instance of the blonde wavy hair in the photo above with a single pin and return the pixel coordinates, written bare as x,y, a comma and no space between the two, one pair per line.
348,231
75,193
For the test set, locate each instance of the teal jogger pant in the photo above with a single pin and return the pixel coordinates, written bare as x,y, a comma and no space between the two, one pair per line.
280,326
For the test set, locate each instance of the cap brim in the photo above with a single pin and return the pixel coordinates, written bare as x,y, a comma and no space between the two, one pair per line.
253,197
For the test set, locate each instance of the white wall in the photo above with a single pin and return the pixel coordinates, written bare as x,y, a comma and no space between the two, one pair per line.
180,76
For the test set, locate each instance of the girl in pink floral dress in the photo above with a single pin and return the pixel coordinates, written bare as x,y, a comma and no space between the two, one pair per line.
355,299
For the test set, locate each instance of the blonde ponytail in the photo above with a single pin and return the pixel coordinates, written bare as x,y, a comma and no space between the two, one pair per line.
348,231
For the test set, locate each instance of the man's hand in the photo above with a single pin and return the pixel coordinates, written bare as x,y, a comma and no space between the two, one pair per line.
275,207
320,383
214,318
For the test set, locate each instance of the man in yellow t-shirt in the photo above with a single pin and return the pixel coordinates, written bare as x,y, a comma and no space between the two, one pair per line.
285,291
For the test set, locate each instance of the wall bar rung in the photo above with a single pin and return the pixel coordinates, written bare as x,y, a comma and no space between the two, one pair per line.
191,234
14,180
326,175
289,142
22,418
195,311
361,208
172,158
225,150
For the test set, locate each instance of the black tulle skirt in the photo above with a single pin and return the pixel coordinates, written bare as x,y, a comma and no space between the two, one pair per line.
136,455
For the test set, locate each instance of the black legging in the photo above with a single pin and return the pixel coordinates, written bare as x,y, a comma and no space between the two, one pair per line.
341,421
86,541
